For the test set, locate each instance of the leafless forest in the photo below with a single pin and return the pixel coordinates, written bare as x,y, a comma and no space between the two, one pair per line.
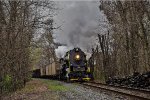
124,49
19,22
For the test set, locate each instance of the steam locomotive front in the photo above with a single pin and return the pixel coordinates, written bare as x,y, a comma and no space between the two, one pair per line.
78,65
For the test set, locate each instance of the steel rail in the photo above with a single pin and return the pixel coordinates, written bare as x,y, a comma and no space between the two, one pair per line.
123,87
135,93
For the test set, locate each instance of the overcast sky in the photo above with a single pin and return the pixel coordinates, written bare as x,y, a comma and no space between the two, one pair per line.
80,25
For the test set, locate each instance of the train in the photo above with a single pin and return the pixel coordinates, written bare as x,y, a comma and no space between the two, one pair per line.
72,67
49,71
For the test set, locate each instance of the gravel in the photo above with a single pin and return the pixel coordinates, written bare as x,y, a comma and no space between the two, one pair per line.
78,92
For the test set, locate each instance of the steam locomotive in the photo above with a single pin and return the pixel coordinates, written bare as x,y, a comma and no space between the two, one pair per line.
74,66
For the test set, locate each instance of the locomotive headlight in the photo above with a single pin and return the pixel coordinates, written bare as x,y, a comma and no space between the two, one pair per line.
77,57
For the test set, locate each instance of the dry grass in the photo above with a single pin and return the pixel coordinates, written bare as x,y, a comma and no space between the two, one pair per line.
36,89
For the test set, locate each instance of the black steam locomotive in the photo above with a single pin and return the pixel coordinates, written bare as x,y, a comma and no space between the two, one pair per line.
74,66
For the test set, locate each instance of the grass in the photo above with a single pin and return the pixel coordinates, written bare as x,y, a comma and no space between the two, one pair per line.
31,86
38,88
55,85
50,84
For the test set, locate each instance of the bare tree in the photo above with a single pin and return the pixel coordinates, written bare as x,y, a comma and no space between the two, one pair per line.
19,21
129,42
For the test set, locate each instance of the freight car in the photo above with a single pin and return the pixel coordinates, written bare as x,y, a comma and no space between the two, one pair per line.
36,73
74,66
50,71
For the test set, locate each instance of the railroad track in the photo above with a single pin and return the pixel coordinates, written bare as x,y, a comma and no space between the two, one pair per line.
135,93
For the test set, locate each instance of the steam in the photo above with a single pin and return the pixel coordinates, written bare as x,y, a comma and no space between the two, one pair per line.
80,21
